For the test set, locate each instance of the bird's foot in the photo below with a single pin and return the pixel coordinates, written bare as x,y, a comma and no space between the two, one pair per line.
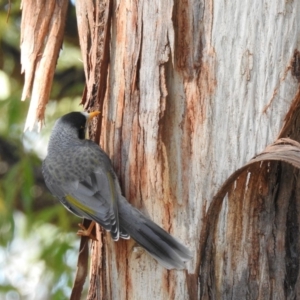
87,232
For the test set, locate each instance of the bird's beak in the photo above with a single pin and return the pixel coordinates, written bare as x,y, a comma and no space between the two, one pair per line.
93,114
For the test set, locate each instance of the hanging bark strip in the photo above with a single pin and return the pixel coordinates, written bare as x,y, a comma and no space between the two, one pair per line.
253,190
82,266
42,31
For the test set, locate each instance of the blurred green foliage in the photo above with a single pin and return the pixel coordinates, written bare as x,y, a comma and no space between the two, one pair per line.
38,244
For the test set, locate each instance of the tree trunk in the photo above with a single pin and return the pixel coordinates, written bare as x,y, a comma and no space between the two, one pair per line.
189,92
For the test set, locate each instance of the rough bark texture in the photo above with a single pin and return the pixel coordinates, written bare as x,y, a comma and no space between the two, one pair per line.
192,90
189,92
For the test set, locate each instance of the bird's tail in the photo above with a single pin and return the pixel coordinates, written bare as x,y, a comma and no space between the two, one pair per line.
158,243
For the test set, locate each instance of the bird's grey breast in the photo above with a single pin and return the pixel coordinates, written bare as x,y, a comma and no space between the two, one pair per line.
72,164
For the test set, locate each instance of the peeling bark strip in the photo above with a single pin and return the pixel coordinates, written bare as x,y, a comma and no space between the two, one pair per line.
82,266
94,37
259,247
42,31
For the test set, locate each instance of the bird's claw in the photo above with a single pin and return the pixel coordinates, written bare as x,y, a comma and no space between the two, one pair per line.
87,232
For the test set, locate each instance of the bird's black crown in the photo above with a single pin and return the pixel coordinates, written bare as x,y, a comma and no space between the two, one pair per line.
76,120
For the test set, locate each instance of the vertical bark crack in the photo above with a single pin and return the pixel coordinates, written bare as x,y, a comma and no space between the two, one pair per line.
292,247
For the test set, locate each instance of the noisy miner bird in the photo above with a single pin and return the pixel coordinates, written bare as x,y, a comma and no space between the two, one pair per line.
80,174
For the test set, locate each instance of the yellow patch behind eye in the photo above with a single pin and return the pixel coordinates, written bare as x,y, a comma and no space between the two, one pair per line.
78,204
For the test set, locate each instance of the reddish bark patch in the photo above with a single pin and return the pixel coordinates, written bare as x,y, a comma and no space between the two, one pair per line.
295,63
187,19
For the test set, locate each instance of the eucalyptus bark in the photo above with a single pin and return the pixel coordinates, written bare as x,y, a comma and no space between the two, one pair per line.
190,91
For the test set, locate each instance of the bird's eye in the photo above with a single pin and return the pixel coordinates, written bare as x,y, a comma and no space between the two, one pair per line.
81,132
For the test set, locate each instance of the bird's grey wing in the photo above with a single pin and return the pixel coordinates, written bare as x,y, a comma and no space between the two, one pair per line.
57,190
95,198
